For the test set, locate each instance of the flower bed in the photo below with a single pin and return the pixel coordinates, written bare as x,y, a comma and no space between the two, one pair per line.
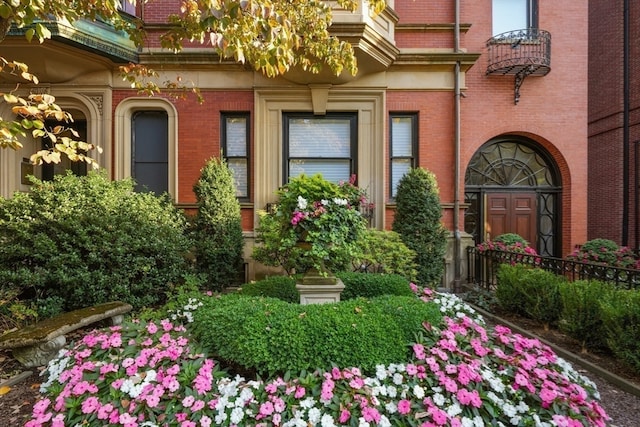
459,374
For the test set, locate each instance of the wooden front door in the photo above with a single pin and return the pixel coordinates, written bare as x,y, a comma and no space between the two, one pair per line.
511,213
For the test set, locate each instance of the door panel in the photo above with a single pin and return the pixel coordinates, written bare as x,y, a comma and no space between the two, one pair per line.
511,213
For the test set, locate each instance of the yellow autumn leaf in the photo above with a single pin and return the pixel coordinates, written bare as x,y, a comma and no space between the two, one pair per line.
4,390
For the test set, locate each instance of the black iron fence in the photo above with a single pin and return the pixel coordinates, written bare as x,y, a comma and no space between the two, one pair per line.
483,265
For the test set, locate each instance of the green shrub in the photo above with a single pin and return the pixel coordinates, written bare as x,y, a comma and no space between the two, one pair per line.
89,240
581,316
509,288
621,317
605,252
532,292
270,336
355,285
280,287
372,285
383,251
511,239
418,221
218,226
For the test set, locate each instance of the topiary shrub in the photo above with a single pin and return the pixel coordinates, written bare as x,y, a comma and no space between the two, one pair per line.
373,285
269,336
218,226
621,318
508,291
355,285
531,292
280,287
418,221
581,316
511,239
383,251
89,240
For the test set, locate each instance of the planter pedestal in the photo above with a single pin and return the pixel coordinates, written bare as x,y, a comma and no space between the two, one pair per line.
316,288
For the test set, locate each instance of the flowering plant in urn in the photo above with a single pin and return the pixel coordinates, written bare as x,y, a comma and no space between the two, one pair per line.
322,219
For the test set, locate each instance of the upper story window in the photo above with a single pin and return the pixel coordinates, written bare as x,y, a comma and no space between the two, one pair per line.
235,149
325,145
127,6
403,140
510,15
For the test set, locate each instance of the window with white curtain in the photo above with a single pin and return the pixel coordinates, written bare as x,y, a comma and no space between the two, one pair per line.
510,15
235,149
403,130
325,145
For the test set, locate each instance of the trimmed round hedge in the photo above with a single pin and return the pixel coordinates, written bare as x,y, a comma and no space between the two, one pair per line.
356,285
269,336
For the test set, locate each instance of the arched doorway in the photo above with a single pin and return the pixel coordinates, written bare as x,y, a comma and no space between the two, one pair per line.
512,185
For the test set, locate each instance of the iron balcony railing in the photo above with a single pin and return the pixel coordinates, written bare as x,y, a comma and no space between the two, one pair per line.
519,53
483,266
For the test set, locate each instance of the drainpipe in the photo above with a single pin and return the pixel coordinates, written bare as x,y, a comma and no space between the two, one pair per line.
457,259
625,128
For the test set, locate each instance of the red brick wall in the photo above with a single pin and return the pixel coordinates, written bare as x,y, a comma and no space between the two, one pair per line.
552,109
199,135
606,122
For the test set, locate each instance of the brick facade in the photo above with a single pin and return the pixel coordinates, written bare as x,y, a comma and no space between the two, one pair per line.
607,153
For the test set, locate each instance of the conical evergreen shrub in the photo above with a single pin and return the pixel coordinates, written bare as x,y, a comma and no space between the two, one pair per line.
418,221
218,226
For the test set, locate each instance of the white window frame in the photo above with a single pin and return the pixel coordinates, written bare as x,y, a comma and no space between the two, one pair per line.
232,157
394,157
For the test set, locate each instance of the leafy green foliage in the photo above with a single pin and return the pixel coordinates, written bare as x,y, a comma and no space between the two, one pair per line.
280,287
373,285
383,251
531,292
418,221
581,316
270,336
89,240
272,36
510,239
218,226
621,316
355,285
323,216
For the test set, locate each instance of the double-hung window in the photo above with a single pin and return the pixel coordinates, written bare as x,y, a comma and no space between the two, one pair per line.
235,149
403,138
510,15
320,144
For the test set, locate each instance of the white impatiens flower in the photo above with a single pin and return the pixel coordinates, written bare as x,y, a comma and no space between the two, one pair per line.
340,202
327,421
236,415
54,369
314,415
381,372
302,203
418,391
